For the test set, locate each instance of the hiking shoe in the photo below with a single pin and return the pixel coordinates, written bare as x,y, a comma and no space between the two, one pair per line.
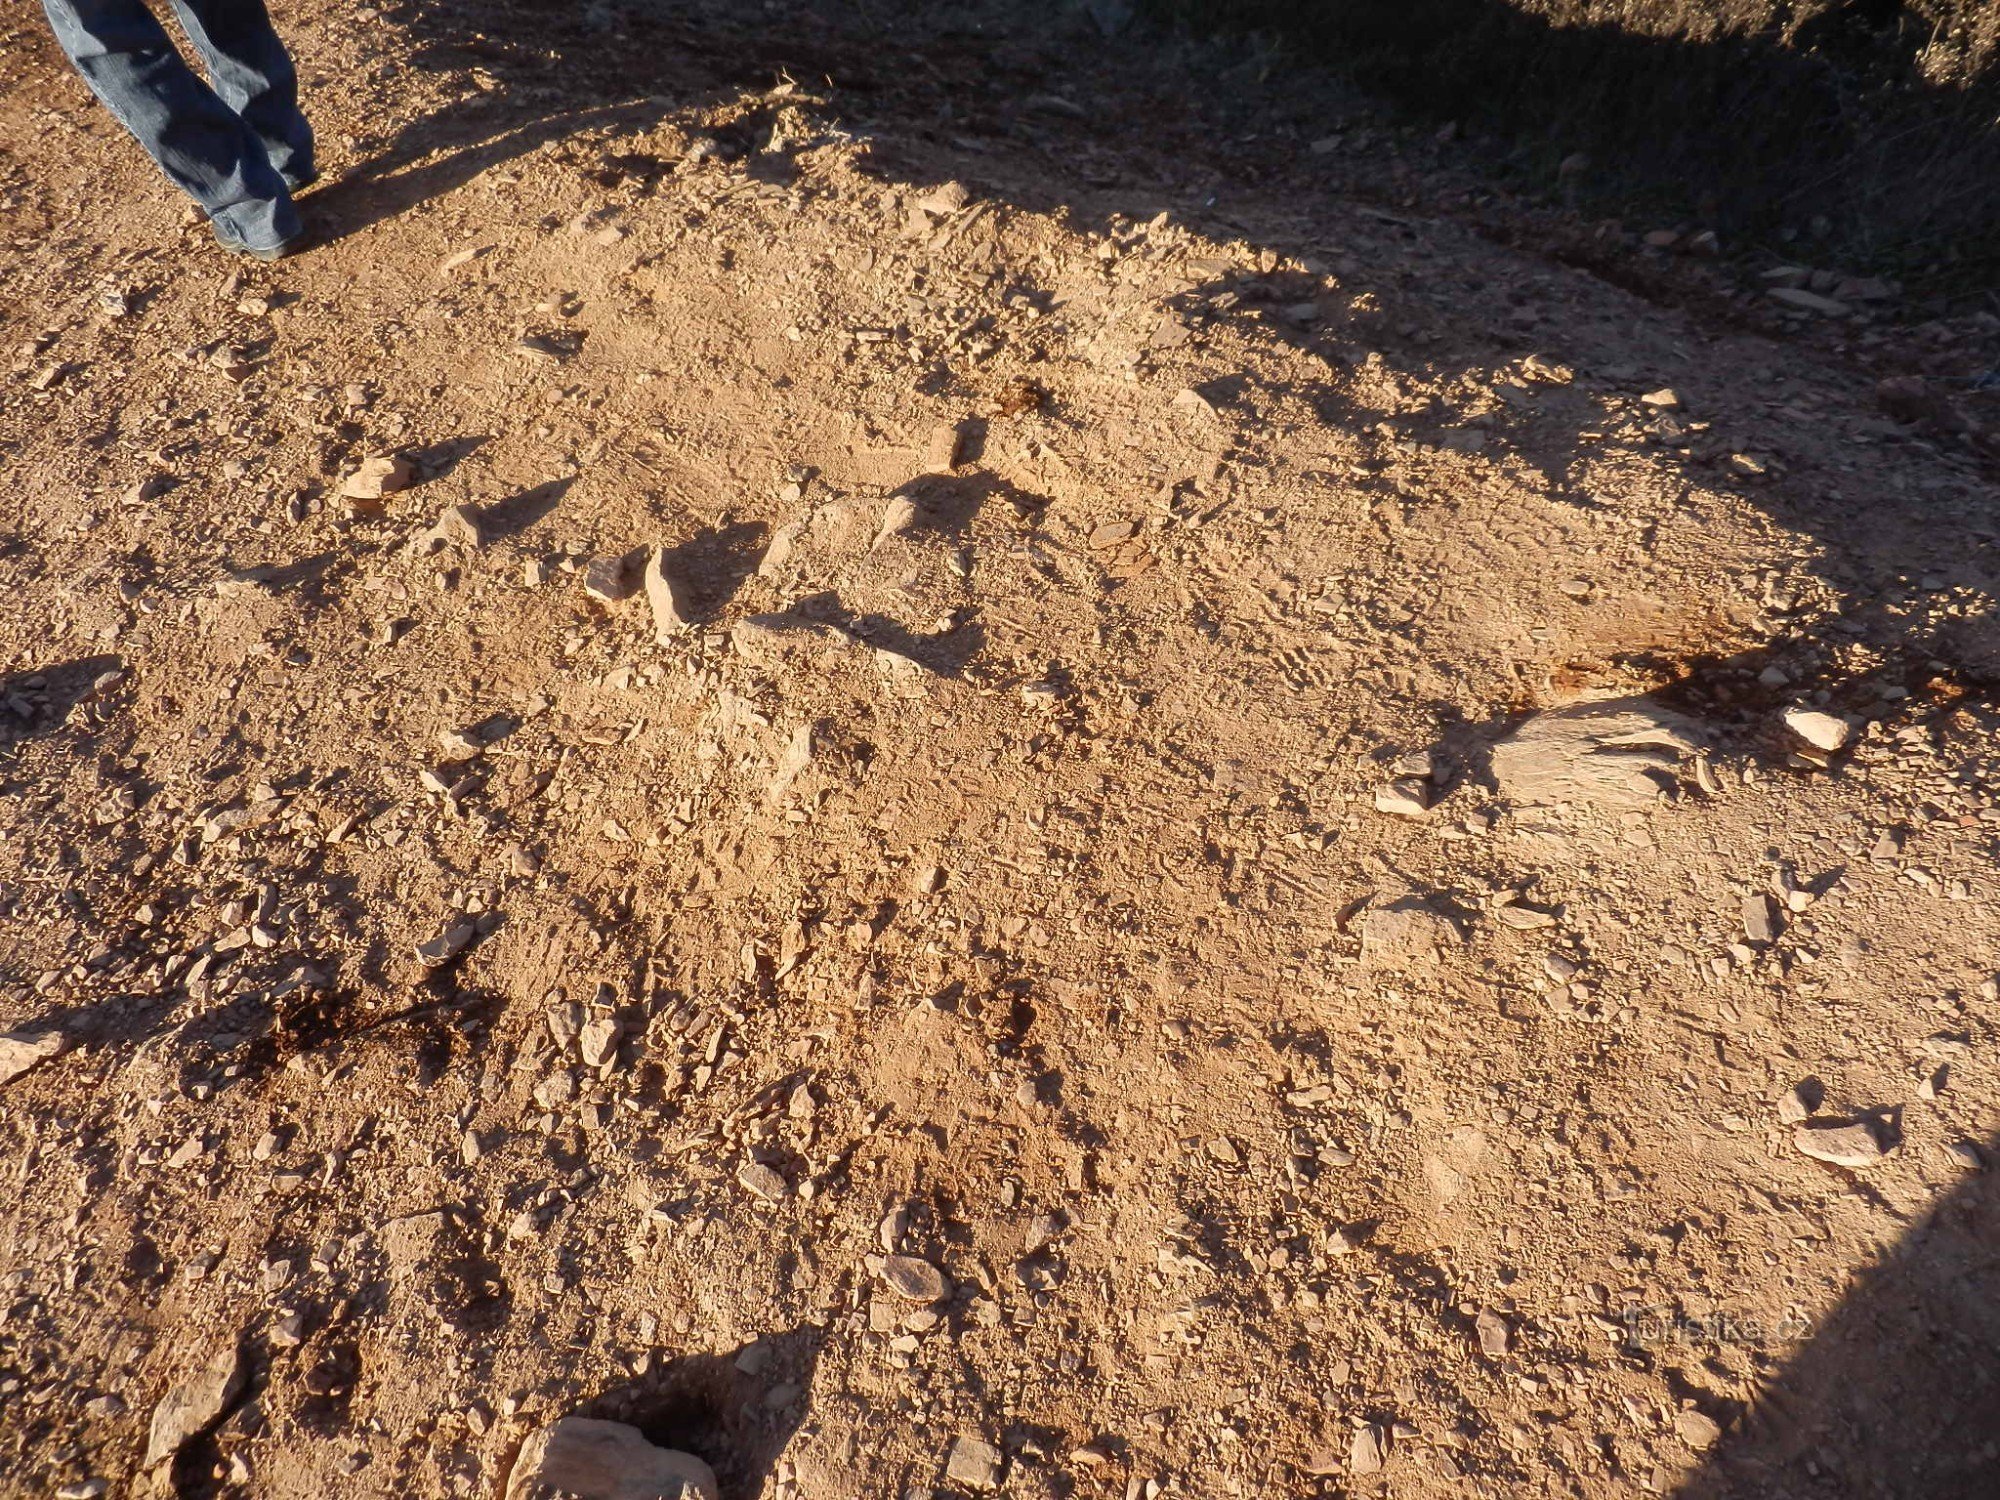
291,246
278,251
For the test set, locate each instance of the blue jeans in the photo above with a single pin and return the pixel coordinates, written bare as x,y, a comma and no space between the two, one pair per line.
239,148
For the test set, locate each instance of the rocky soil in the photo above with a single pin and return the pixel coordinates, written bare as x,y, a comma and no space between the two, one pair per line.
940,757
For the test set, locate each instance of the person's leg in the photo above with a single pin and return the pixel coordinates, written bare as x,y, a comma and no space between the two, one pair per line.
254,75
124,55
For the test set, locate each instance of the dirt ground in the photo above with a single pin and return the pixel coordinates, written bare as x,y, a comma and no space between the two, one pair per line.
1072,907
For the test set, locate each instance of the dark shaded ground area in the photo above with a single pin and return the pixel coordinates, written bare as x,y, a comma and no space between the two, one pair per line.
1899,1392
1868,126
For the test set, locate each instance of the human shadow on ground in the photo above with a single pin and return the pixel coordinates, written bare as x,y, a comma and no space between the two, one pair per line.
1895,1394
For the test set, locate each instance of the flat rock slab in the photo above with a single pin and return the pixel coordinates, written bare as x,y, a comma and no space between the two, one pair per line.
580,1458
1369,1449
1614,756
380,474
21,1050
1854,1144
914,1278
974,1463
1408,932
1405,797
195,1405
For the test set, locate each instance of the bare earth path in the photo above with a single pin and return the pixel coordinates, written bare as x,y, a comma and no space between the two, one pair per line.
1028,927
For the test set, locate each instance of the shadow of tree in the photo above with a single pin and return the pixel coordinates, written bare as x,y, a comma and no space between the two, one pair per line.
1872,119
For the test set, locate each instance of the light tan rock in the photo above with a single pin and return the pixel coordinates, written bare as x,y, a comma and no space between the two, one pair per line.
1697,1429
974,1463
459,526
766,1181
898,516
21,1050
1407,933
1823,731
1369,1449
598,1040
580,1458
379,474
1854,1144
915,1278
195,1405
1405,797
610,577
447,945
943,447
1617,755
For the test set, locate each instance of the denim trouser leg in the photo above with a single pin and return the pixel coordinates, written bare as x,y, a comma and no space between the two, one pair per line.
251,71
200,142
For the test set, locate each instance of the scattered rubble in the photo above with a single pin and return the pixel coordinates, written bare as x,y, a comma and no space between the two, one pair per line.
967,989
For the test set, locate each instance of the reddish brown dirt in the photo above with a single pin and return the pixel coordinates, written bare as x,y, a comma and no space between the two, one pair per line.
1007,906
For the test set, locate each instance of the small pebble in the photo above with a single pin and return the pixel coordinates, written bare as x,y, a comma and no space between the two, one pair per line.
1823,731
1851,1145
914,1278
764,1181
